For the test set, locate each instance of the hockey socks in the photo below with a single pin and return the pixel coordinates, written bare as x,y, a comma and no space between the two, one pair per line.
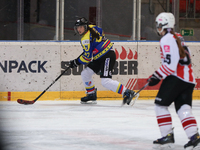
113,85
188,121
164,119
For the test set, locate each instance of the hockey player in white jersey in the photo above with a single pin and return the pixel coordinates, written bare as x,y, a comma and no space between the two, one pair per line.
177,86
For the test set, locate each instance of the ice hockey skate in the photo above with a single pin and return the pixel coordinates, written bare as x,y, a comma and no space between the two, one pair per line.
128,96
164,143
90,98
194,143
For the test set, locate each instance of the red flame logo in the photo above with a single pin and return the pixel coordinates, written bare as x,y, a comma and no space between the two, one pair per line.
123,55
130,55
135,56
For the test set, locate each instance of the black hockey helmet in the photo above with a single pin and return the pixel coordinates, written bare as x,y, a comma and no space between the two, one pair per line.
81,22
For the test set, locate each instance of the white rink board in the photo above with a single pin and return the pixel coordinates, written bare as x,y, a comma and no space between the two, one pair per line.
25,76
22,71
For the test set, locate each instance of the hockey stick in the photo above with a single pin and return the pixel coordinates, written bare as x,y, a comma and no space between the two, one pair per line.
136,95
26,102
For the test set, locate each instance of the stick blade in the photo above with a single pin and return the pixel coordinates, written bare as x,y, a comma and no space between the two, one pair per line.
25,102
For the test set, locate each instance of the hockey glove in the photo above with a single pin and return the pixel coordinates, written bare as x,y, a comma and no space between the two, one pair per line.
73,63
154,79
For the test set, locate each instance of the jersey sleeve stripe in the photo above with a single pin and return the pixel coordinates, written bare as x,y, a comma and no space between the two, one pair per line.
107,44
88,59
104,43
161,69
169,69
84,60
165,69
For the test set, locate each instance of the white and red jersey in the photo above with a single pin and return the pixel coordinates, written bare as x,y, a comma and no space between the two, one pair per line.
172,64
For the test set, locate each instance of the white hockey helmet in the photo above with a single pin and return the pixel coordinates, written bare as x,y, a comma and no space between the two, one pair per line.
165,20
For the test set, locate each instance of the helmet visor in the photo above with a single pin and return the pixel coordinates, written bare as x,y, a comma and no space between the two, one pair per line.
159,25
80,29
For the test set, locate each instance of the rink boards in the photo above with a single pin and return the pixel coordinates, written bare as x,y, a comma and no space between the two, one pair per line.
28,68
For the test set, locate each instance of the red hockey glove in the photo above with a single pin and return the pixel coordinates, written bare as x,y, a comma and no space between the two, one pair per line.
154,79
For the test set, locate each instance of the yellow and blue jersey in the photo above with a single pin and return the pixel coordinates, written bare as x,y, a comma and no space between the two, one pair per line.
94,49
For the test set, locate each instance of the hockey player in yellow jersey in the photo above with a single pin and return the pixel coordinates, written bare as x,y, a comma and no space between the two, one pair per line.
99,56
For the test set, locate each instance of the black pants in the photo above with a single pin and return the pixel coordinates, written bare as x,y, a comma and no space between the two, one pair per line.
104,64
174,90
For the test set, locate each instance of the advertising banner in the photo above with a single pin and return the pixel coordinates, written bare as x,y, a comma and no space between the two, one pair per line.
28,68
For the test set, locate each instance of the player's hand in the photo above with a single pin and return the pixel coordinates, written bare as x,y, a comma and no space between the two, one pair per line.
154,79
73,63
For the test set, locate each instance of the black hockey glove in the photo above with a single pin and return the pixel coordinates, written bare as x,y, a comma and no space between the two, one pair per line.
154,79
73,63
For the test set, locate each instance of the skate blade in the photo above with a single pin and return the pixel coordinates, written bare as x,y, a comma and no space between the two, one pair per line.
89,102
133,101
193,148
169,146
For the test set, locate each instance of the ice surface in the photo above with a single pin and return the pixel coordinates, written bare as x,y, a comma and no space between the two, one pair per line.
69,125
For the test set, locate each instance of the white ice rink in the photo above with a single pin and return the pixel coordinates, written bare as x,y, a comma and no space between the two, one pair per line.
69,125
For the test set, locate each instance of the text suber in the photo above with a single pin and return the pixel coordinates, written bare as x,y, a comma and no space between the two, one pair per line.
120,68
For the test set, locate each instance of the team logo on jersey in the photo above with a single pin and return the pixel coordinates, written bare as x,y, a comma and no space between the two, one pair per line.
86,47
166,48
88,83
95,51
85,42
